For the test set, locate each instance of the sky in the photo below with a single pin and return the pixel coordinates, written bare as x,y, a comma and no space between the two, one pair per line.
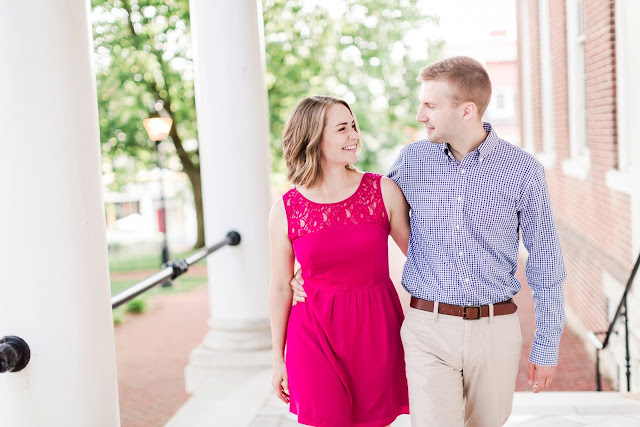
464,20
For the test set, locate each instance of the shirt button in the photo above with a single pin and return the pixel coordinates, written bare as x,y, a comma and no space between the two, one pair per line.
460,253
457,227
467,280
462,171
480,159
459,198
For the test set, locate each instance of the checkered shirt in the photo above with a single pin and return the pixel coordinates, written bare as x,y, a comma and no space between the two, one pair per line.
465,222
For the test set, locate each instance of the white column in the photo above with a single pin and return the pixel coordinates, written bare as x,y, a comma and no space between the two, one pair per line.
55,282
233,133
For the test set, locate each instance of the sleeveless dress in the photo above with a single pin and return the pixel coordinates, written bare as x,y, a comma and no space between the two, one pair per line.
344,355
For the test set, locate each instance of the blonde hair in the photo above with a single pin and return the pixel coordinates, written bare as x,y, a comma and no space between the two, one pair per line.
469,79
302,139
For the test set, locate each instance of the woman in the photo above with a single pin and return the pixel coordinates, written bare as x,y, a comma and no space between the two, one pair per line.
344,363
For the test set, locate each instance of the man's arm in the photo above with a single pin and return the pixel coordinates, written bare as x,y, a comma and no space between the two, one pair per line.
545,273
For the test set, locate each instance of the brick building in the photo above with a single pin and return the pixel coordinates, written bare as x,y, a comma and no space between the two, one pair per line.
578,81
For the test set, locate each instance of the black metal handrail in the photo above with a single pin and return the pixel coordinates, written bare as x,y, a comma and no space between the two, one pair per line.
601,345
173,269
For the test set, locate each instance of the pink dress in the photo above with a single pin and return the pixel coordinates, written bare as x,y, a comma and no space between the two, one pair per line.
344,356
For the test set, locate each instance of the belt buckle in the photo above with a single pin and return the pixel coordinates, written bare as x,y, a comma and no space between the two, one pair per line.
471,307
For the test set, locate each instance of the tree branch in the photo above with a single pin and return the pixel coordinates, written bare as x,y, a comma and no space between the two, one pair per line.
185,159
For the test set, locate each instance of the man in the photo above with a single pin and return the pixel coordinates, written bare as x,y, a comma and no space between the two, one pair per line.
470,194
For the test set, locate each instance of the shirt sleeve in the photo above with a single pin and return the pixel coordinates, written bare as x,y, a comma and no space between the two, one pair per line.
396,171
545,269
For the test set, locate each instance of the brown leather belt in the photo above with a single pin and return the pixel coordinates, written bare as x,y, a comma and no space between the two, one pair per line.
469,312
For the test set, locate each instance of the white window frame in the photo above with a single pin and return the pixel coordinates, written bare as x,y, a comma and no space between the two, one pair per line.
526,93
578,164
621,178
548,156
626,178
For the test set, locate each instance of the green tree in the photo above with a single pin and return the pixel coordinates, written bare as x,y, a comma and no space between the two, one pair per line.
143,56
367,52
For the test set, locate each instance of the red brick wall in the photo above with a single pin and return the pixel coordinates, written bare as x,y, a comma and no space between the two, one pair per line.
594,222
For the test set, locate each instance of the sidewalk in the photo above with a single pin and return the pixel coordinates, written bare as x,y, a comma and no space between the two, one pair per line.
153,348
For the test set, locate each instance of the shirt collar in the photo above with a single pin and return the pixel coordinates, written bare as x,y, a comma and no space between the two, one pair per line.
490,141
485,148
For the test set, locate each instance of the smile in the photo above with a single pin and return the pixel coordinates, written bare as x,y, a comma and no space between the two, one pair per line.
349,147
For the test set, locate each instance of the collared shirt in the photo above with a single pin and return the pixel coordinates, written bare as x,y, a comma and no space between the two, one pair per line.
465,223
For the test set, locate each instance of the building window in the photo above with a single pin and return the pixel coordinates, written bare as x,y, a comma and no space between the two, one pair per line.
578,163
502,105
124,209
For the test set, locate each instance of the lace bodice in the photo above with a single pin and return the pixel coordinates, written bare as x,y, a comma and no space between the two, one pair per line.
363,206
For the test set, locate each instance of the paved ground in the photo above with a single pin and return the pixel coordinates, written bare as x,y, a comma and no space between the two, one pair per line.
153,349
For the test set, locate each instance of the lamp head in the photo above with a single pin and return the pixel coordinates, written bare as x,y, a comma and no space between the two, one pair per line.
157,127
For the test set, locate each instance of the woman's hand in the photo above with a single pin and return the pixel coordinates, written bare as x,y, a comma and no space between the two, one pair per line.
280,381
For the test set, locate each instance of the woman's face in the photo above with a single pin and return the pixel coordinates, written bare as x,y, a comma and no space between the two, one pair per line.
339,137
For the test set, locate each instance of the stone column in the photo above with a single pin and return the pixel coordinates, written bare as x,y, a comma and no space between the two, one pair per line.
233,134
55,276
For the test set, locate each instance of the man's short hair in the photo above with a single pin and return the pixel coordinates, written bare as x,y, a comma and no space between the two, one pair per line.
468,78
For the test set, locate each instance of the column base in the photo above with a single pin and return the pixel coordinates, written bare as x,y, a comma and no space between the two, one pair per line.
224,349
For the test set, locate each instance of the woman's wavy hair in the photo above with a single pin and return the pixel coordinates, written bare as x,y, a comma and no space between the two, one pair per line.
302,139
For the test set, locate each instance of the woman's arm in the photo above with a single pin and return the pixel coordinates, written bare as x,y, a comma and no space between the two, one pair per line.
398,212
282,261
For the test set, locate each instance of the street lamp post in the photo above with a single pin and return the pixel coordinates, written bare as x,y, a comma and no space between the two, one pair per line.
158,129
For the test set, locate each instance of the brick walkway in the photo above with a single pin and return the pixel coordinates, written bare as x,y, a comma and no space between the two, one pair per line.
153,349
576,370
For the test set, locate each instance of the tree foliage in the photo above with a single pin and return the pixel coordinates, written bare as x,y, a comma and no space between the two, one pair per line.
360,51
144,63
367,52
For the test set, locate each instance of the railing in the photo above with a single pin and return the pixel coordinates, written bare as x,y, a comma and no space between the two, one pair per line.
173,269
15,353
601,345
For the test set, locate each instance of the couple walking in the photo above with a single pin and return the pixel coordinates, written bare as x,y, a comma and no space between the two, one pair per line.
455,204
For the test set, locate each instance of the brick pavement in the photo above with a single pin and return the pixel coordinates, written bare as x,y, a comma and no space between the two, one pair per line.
153,349
576,369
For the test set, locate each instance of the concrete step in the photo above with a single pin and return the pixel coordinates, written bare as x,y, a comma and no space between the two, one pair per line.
551,409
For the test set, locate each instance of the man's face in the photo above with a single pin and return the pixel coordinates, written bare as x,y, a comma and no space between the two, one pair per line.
439,112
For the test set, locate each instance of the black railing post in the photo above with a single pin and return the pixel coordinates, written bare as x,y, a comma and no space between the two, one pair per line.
598,379
622,301
626,343
622,310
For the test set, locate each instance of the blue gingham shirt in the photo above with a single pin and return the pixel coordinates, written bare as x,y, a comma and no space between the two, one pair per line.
465,219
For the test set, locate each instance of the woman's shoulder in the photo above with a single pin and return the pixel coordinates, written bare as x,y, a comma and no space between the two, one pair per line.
278,209
390,190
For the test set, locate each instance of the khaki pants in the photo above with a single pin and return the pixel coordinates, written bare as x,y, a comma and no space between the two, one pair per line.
460,372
